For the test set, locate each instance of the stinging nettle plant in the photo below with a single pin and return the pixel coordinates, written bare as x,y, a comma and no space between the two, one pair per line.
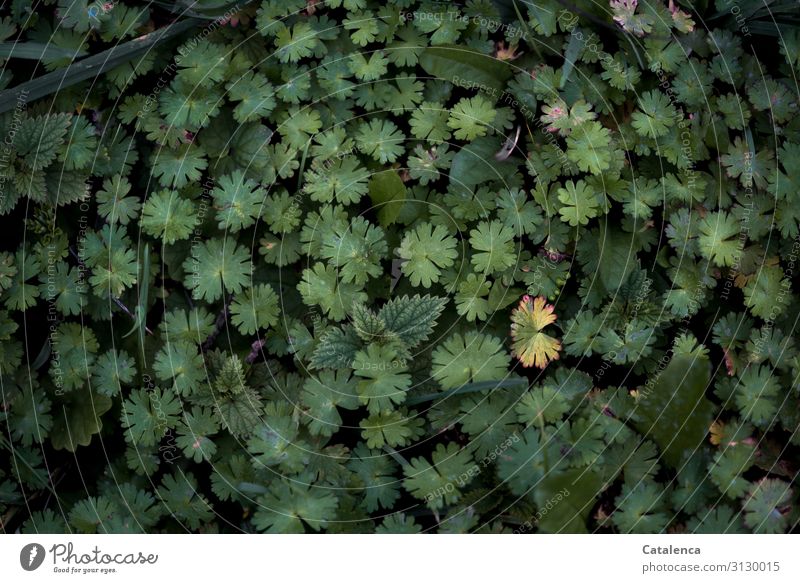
356,266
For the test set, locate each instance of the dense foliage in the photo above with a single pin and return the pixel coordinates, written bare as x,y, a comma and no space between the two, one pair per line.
405,266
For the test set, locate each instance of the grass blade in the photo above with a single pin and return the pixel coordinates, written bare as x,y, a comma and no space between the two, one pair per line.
571,55
91,67
141,307
37,51
469,388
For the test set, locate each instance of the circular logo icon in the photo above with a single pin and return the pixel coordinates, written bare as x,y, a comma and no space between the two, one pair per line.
31,556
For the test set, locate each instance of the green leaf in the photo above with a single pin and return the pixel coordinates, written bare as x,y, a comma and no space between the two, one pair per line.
588,146
672,409
336,349
565,499
494,247
385,380
471,118
439,483
766,510
475,163
292,504
412,319
216,266
580,203
37,51
472,357
255,309
141,307
459,65
617,257
147,415
76,418
388,193
94,66
322,395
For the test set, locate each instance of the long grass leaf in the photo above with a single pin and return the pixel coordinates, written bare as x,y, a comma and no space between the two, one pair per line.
469,388
91,67
37,51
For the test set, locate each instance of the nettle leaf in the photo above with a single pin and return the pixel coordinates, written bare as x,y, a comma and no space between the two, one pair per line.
336,349
39,138
412,319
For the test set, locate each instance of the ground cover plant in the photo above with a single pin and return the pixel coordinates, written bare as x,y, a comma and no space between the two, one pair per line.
398,267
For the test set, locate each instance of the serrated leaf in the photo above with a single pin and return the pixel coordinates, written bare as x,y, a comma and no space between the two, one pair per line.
76,418
412,319
336,349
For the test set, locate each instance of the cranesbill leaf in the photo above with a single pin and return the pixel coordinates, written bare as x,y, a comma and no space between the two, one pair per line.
532,346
